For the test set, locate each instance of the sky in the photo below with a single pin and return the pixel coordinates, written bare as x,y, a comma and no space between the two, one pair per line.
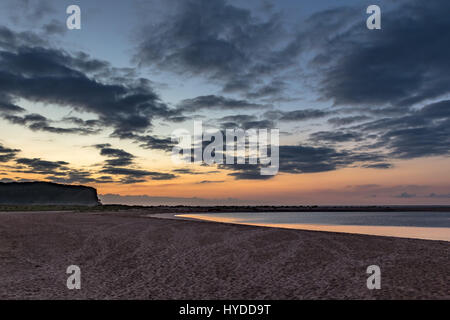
363,114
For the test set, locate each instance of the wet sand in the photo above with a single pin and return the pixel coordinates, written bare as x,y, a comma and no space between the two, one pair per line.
131,256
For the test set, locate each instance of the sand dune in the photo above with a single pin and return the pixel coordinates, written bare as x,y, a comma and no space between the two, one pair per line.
126,255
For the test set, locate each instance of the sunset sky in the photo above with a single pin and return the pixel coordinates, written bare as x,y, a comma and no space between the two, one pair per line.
364,115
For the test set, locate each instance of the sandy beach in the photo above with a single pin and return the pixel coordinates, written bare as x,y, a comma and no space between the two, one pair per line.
131,256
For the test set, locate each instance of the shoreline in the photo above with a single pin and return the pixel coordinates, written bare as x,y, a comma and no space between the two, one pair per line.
223,209
423,233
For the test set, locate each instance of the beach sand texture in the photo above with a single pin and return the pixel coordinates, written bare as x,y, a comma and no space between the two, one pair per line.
130,256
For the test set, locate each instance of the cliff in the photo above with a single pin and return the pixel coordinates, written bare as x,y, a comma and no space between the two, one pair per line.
46,193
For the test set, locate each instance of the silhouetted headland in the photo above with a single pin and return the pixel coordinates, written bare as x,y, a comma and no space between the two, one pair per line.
46,193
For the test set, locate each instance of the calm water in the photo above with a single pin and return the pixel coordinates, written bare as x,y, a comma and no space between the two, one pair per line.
422,225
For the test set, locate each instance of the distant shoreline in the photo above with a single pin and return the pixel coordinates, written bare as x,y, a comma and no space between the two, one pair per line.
220,209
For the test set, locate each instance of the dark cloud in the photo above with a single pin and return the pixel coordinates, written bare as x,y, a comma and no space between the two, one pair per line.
136,175
10,40
245,122
30,118
306,159
58,171
29,11
405,62
296,115
418,142
382,165
222,42
177,119
83,123
336,136
74,176
245,125
217,102
120,163
119,157
147,141
38,122
55,27
245,171
39,166
343,121
420,133
61,172
258,124
42,126
48,75
210,181
186,171
151,142
6,105
7,154
272,89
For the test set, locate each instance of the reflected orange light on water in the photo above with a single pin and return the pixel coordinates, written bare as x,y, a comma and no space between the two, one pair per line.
386,231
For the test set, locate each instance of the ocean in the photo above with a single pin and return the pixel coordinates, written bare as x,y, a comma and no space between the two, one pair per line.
421,225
